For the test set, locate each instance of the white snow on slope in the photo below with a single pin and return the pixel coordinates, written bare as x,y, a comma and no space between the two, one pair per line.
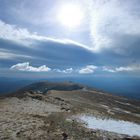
117,126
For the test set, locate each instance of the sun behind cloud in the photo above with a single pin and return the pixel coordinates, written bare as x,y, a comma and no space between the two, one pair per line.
70,15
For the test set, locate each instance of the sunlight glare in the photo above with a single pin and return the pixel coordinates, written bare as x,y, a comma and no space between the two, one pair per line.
70,15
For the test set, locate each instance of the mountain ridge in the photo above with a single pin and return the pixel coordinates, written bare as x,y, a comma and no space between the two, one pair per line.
50,113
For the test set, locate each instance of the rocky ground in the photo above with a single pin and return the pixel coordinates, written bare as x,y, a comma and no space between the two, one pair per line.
33,115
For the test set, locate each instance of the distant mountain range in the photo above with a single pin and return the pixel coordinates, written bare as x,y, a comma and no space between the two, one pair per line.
124,86
8,85
45,86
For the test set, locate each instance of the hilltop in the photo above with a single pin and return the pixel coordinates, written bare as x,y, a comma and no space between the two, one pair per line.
65,111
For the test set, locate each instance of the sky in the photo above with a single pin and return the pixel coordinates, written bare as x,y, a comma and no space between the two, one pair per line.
49,38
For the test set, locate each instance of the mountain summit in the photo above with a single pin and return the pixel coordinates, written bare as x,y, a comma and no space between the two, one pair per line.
66,110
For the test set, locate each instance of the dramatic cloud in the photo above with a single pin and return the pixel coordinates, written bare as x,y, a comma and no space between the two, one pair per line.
132,68
26,67
19,44
112,38
118,30
23,36
88,69
115,25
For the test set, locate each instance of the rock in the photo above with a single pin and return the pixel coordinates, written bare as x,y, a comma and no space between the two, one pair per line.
65,136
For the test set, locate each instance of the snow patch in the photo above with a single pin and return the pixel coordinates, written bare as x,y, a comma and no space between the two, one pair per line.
117,126
122,103
121,110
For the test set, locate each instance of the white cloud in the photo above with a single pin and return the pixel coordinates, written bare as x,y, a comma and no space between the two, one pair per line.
69,70
24,36
88,69
26,67
112,22
6,54
131,68
108,69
